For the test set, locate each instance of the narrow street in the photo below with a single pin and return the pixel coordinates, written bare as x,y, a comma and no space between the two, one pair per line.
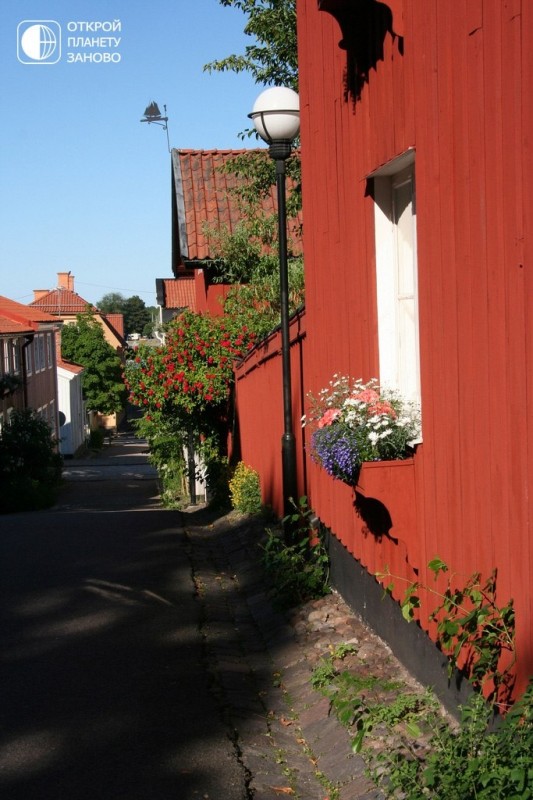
141,657
103,688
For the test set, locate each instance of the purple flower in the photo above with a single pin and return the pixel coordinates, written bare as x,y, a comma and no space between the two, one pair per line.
335,448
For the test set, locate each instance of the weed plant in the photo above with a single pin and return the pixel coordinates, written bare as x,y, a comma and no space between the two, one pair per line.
475,762
362,702
299,569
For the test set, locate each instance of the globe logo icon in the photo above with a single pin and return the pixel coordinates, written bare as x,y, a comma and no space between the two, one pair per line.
39,42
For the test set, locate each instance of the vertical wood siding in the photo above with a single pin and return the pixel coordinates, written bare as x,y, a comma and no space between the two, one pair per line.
461,94
259,412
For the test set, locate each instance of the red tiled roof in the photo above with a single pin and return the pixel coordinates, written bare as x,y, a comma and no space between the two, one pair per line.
204,198
9,326
180,293
116,321
60,302
69,366
23,314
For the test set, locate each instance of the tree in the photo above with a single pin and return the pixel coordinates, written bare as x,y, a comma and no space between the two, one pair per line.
136,315
84,343
112,303
273,59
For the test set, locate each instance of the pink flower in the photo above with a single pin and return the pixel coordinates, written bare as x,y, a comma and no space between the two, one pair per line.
366,396
328,417
382,407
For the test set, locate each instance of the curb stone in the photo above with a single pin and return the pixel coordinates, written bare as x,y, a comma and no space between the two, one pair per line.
261,663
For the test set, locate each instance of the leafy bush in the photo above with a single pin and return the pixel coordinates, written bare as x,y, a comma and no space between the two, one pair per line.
299,570
473,630
30,466
245,490
96,439
472,763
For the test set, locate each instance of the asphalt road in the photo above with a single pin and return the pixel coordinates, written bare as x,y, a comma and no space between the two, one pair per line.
103,691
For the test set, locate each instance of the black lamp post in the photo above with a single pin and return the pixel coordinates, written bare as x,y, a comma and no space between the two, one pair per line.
276,117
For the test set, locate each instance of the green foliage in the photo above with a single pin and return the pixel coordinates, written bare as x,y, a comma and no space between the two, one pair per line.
84,343
96,439
167,440
185,386
30,467
472,629
273,58
260,300
111,303
249,253
245,490
472,763
193,371
362,702
298,571
255,174
137,317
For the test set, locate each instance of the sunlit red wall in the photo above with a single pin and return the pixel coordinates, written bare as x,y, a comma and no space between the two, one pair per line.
460,93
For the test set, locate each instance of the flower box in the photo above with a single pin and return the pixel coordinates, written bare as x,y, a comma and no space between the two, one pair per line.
385,499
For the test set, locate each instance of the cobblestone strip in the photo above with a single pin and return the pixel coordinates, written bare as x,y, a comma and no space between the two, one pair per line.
285,738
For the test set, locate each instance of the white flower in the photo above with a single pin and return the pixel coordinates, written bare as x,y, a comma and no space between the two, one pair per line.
373,437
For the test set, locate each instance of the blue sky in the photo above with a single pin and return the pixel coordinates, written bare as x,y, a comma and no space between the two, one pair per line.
84,186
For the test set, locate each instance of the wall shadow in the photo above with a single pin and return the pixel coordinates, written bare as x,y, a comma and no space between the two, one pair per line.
364,25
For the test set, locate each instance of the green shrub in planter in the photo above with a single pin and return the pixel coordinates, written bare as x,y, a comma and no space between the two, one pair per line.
245,490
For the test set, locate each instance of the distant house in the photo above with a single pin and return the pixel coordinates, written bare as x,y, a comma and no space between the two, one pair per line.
14,336
28,343
202,205
65,304
72,413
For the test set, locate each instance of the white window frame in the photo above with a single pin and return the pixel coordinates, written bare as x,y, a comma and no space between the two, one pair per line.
49,350
6,360
28,359
15,356
397,277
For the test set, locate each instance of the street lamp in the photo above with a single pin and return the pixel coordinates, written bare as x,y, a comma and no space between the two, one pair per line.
276,117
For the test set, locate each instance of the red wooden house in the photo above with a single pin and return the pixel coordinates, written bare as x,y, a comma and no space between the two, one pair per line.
418,236
416,117
204,206
28,353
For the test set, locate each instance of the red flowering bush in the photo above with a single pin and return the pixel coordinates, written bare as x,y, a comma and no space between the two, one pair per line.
193,371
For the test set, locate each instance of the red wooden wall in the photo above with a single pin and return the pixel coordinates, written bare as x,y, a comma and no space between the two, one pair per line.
259,411
460,93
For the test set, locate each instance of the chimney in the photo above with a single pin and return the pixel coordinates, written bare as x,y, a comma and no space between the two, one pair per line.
38,293
65,281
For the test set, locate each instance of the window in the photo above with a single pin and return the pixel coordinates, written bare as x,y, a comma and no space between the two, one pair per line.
27,358
15,355
396,273
6,359
49,350
39,353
